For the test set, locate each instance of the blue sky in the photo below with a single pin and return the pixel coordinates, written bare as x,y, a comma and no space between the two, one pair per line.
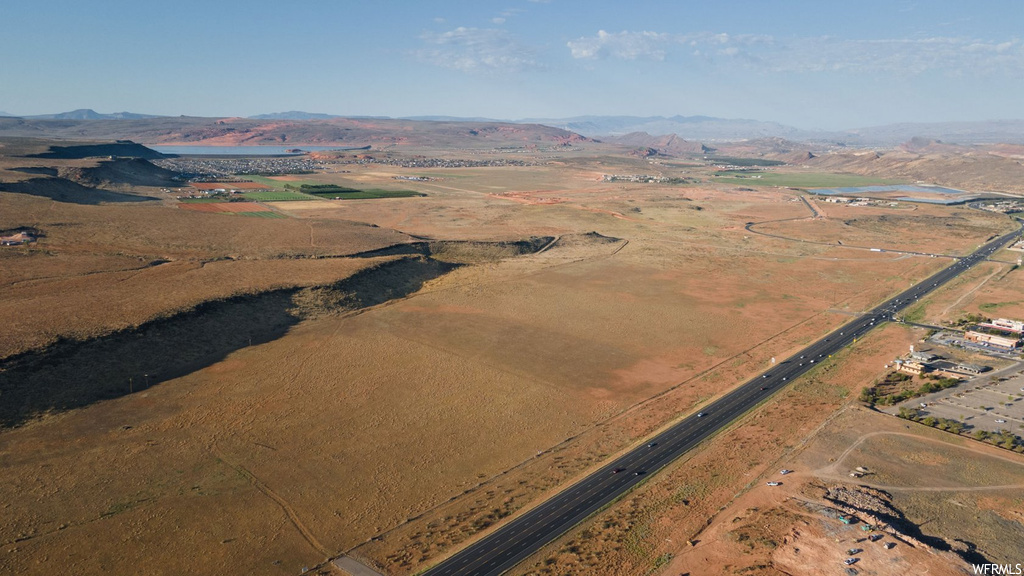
828,65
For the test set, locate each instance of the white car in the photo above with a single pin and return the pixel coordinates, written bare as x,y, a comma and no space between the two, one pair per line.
1000,421
775,483
784,471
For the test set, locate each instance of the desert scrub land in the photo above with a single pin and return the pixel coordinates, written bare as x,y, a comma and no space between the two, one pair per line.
402,427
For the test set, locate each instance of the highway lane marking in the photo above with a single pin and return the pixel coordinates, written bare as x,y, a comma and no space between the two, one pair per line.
558,508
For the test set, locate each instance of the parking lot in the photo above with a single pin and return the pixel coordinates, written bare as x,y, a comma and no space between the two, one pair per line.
990,402
955,339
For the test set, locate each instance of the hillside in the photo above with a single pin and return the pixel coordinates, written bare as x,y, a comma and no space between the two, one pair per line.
249,131
89,150
976,169
120,173
80,172
669,144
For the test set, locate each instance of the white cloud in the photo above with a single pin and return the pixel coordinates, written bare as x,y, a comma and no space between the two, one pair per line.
498,20
477,50
955,56
622,45
657,46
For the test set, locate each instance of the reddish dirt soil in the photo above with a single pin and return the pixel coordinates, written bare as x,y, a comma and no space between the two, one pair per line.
224,207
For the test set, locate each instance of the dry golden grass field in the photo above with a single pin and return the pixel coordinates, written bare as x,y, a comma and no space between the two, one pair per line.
407,402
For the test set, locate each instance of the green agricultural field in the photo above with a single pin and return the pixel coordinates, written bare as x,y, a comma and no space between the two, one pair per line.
367,194
262,214
800,179
744,161
277,196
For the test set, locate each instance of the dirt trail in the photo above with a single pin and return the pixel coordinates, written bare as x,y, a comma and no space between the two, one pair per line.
306,533
968,293
61,278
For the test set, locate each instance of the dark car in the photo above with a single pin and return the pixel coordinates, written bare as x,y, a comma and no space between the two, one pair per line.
617,470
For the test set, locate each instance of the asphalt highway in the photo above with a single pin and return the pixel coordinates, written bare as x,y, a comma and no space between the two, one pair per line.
521,537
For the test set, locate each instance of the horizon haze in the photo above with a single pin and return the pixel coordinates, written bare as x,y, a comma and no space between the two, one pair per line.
812,66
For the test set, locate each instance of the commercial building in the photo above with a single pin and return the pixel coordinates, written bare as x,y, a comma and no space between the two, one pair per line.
911,367
993,336
1005,324
972,368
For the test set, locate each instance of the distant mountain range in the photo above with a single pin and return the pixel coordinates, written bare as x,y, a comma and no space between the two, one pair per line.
981,132
87,114
710,130
688,127
694,129
347,132
294,115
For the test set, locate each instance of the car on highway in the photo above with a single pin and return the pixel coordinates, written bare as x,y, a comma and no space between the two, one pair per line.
639,473
652,444
763,388
700,414
617,470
